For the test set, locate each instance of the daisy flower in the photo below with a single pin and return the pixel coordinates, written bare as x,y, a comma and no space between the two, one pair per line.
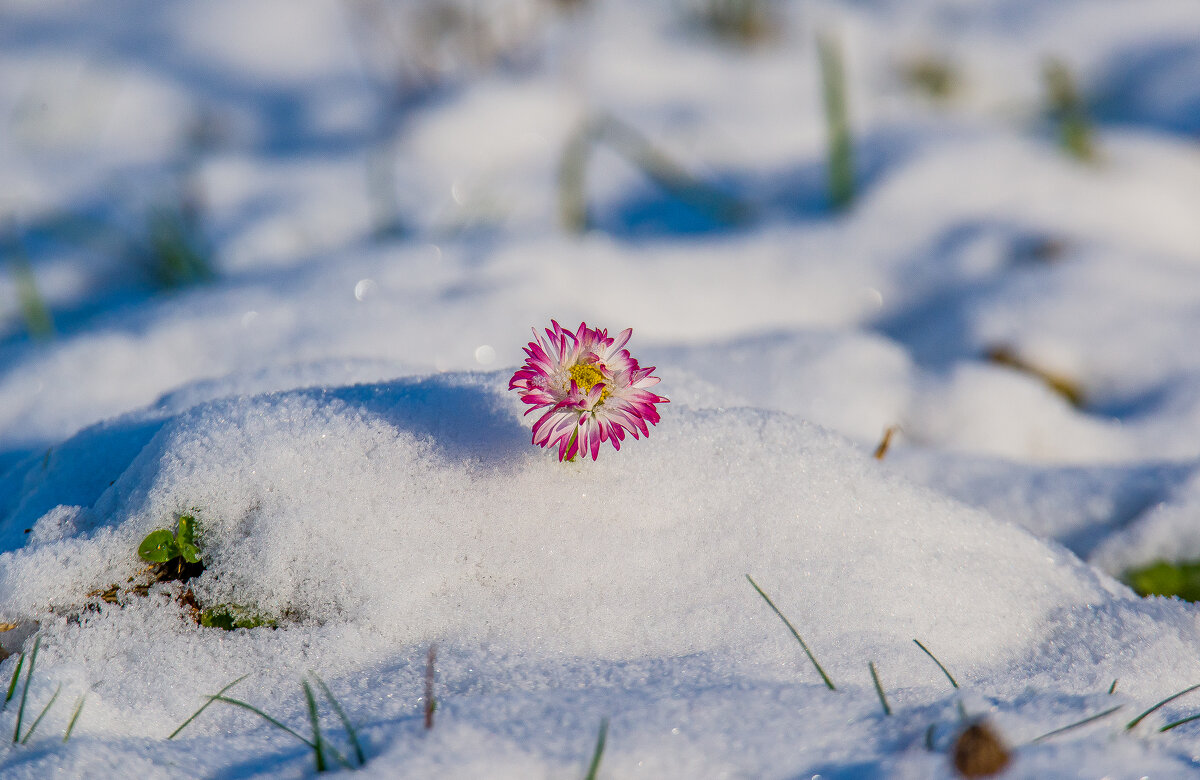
590,387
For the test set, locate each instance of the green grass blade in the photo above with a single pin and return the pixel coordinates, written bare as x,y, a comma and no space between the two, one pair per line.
1112,688
945,671
1165,701
572,179
12,684
879,688
25,691
1067,107
341,713
74,717
315,719
664,171
833,91
795,633
1078,723
264,716
430,671
1180,722
37,317
598,753
204,706
42,714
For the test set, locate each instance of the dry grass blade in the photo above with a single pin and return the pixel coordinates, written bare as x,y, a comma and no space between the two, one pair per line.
886,442
1067,388
795,633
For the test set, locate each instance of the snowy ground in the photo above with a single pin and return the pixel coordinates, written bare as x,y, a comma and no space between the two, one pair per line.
377,188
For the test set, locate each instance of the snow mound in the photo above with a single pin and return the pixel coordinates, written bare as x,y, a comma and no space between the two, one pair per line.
417,506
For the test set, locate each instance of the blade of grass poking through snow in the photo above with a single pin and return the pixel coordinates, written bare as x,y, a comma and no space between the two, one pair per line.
1112,688
669,174
643,154
204,706
12,684
598,753
795,633
264,716
313,718
25,691
37,317
1180,722
430,701
833,90
324,746
341,713
1068,110
945,671
1077,724
74,717
41,715
1165,701
879,688
572,179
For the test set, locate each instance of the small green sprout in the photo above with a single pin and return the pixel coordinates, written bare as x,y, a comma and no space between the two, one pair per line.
1162,578
1068,111
162,546
231,616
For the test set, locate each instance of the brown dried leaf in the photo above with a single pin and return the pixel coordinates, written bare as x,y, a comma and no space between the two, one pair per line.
978,752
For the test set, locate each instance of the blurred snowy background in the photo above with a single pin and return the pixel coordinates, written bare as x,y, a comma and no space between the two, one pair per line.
273,261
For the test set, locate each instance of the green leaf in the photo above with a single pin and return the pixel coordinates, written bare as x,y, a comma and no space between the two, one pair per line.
190,552
158,547
1167,579
187,531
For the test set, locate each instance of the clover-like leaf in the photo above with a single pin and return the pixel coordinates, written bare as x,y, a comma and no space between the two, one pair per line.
186,541
159,547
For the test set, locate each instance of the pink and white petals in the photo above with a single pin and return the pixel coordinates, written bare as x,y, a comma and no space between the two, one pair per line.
595,389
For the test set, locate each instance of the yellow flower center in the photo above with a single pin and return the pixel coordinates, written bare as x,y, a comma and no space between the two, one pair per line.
586,376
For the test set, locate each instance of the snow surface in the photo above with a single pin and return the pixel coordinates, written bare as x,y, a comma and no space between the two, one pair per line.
379,188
